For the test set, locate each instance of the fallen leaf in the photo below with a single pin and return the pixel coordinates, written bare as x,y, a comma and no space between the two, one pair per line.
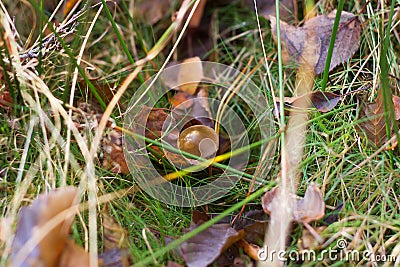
199,217
230,257
74,255
114,236
373,121
305,210
322,101
254,223
103,89
115,243
31,219
68,5
267,199
204,248
197,15
190,75
111,156
311,207
250,249
294,39
115,258
195,110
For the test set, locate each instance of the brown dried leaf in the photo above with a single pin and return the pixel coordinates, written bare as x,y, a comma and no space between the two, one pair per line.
204,248
199,217
267,199
32,218
308,209
114,236
115,258
254,223
295,39
115,243
195,107
5,100
73,255
197,15
311,207
322,101
250,249
373,121
190,75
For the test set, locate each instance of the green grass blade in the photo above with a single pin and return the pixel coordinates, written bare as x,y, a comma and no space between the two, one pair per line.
332,45
387,93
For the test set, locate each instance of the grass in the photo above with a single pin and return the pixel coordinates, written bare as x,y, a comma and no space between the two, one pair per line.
337,156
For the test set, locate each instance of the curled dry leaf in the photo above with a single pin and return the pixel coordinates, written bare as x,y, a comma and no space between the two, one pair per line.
210,245
322,101
294,39
250,249
204,248
311,207
305,210
32,219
